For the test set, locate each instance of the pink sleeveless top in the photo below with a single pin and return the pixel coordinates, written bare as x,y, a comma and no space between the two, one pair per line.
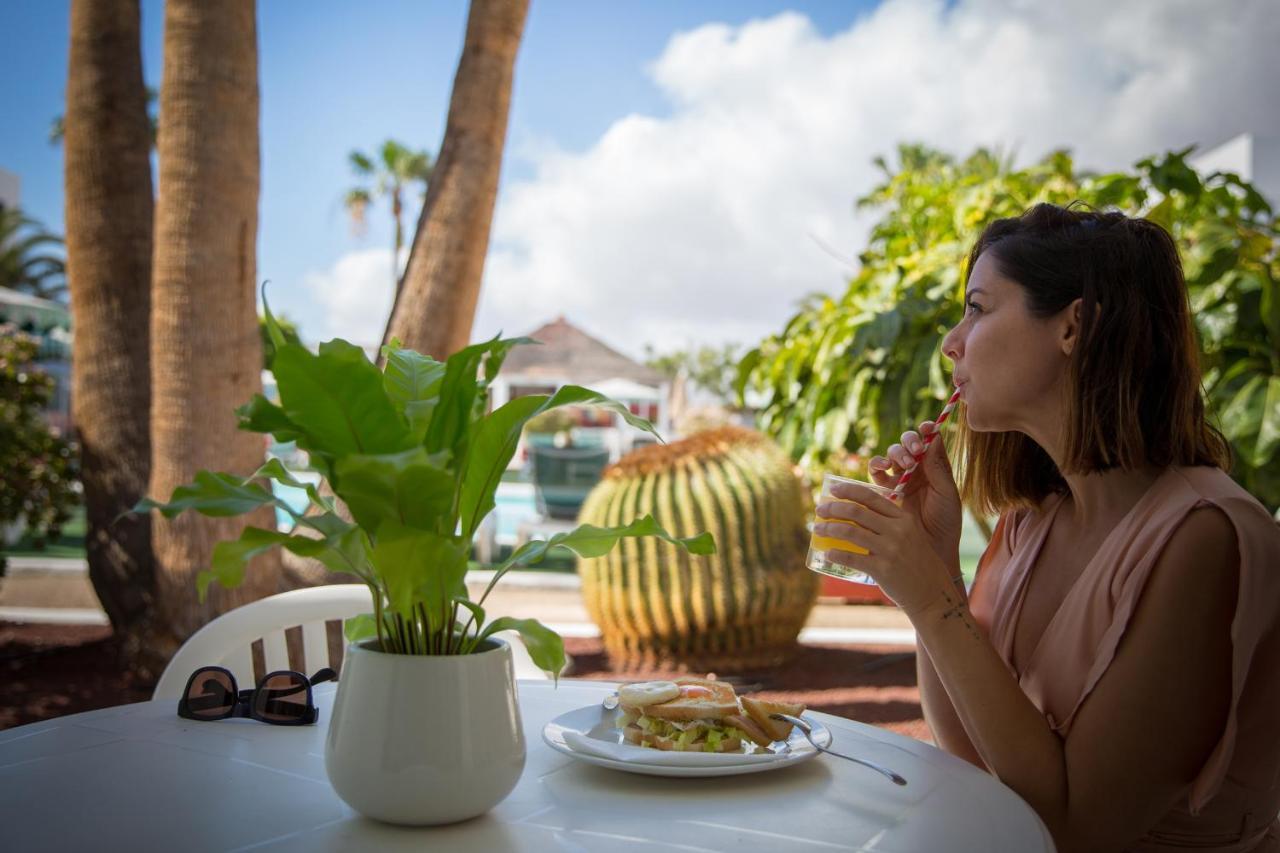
1233,802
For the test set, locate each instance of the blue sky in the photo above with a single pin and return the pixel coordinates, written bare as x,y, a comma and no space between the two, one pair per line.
335,76
676,173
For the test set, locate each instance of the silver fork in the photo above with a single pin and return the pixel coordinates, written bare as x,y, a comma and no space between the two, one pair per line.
804,726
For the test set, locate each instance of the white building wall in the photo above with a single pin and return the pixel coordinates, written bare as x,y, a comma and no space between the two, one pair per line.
1254,158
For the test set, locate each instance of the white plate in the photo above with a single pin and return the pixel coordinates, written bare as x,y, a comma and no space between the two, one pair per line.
594,722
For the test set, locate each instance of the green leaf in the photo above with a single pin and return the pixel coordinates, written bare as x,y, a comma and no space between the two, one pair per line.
495,439
411,488
212,494
1269,426
261,415
498,355
588,540
461,391
361,627
273,326
348,548
361,163
1242,418
227,564
477,612
337,398
419,413
419,566
1172,174
544,645
229,557
411,377
274,469
457,397
746,367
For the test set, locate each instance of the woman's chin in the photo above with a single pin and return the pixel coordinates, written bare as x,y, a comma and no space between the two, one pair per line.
973,420
978,424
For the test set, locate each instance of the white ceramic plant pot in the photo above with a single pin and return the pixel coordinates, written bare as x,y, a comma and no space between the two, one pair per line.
422,740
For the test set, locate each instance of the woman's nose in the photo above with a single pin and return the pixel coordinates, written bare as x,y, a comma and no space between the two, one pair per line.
952,344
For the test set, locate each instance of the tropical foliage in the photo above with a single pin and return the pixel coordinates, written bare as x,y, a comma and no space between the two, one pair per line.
847,373
31,258
712,368
37,466
288,329
389,173
412,453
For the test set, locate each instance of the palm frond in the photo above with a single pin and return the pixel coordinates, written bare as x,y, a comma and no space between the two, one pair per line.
361,163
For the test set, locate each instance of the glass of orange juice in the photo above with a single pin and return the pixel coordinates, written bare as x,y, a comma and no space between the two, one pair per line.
819,545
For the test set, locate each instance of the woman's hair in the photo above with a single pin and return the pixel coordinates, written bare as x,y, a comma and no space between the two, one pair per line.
1133,382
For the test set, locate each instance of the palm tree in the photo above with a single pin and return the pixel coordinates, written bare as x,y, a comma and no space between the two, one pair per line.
26,262
58,128
395,168
436,303
206,356
109,218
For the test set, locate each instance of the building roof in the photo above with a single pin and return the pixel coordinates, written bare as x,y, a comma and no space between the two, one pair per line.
19,308
570,354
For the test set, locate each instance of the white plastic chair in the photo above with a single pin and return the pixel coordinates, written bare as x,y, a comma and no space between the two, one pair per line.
227,640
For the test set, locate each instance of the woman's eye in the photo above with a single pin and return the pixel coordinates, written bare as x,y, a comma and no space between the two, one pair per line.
973,307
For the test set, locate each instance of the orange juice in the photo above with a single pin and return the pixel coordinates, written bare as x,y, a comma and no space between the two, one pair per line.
819,545
822,543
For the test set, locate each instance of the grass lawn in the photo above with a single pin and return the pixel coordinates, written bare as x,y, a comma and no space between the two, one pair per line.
69,544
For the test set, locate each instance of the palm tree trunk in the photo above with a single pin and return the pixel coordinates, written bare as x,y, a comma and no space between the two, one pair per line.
436,303
107,148
206,355
397,211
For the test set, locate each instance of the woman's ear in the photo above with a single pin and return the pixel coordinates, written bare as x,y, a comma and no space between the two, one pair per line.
1069,334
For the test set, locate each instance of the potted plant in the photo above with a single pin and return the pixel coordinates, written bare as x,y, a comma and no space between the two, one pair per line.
425,727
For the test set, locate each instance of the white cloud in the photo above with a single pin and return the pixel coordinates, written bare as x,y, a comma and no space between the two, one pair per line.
355,294
708,224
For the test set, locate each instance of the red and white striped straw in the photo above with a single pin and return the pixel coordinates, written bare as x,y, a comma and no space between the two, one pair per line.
928,440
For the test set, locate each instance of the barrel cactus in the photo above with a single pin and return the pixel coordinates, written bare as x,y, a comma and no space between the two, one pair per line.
739,609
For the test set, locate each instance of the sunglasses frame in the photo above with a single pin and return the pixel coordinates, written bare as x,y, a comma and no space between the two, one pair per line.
244,705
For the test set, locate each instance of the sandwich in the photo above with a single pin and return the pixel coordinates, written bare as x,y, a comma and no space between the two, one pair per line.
696,715
685,715
758,711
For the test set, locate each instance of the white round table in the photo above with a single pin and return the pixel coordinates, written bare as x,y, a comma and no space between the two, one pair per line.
138,777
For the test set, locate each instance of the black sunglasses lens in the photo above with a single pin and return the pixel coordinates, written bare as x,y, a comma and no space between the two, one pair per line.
281,698
212,694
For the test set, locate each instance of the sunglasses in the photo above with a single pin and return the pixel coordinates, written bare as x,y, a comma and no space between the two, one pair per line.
282,698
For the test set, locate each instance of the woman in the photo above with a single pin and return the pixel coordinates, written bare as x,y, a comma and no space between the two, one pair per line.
1117,662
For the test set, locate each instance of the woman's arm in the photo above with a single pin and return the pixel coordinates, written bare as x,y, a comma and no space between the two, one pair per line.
940,714
1140,738
948,731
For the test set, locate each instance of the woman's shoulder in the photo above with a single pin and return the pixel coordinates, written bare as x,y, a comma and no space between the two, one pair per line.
1201,486
1201,509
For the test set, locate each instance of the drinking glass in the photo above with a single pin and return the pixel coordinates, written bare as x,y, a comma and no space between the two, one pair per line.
819,545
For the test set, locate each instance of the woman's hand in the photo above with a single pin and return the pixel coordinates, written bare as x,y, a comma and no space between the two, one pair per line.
930,494
900,557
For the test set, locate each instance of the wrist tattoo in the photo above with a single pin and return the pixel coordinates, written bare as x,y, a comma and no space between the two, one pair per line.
957,608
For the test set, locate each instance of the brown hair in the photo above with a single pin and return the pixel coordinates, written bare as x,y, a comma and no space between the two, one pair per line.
1133,394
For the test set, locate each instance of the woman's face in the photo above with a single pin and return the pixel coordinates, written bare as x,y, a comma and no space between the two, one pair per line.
1008,364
